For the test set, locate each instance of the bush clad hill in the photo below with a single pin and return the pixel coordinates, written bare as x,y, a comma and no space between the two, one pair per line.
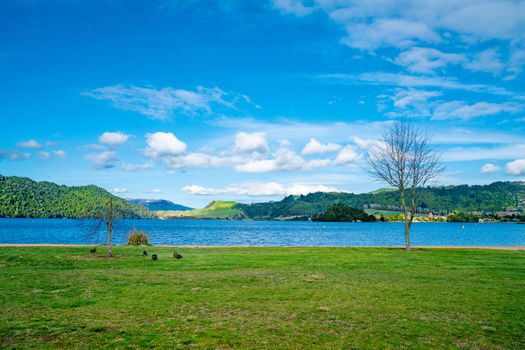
496,197
23,197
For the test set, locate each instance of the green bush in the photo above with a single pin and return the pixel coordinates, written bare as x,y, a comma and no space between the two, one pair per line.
137,237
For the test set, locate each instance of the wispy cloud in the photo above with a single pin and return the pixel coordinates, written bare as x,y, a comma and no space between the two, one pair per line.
418,81
384,24
13,154
29,144
164,103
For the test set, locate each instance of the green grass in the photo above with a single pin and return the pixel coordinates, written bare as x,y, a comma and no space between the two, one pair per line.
271,298
214,210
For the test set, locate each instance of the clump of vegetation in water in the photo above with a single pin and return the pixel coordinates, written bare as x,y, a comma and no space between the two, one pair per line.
137,237
341,212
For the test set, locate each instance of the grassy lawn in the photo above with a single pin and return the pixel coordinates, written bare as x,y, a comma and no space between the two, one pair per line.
272,298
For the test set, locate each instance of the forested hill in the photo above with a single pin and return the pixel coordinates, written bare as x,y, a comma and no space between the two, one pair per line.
23,197
498,196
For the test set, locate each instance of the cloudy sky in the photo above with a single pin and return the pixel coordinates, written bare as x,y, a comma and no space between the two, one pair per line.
252,100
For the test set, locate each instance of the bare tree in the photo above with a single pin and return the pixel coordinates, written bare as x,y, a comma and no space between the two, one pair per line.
406,160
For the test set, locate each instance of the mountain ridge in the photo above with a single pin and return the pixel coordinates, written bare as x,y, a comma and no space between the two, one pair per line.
158,204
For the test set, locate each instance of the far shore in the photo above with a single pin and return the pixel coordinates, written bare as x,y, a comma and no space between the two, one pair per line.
271,246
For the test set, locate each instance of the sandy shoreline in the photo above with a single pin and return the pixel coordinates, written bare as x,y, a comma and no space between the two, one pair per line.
210,246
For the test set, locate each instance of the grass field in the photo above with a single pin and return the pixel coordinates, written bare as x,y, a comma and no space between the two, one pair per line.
272,298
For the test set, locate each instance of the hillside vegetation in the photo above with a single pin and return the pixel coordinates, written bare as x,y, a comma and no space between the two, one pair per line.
498,196
214,210
22,197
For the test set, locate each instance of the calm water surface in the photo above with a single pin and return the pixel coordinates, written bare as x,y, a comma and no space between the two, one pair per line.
260,233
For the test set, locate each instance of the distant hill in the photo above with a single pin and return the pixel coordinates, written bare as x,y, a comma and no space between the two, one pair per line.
498,196
214,210
159,204
23,197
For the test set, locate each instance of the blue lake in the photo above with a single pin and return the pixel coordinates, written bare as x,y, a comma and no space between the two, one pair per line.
260,233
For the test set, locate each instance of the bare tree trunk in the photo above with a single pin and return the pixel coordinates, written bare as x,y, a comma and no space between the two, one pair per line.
407,235
109,252
406,219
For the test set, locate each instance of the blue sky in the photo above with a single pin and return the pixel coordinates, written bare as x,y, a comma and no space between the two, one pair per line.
252,100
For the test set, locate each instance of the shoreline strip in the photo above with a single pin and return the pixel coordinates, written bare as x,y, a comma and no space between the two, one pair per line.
272,246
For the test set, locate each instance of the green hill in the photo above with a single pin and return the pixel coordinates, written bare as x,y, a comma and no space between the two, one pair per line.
498,196
23,197
214,210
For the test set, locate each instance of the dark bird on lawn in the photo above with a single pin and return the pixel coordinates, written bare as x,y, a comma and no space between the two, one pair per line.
93,250
153,257
144,253
177,255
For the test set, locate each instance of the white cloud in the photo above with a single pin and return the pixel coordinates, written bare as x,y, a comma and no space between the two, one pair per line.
163,144
367,144
156,190
489,168
195,160
415,99
113,138
251,142
346,156
486,61
103,160
60,153
374,25
163,103
516,62
388,32
426,60
516,167
285,160
316,147
13,154
119,190
29,144
469,20
260,189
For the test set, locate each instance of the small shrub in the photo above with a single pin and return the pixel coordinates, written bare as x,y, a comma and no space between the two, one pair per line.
137,237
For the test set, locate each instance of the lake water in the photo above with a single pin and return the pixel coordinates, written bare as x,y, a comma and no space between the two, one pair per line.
260,233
